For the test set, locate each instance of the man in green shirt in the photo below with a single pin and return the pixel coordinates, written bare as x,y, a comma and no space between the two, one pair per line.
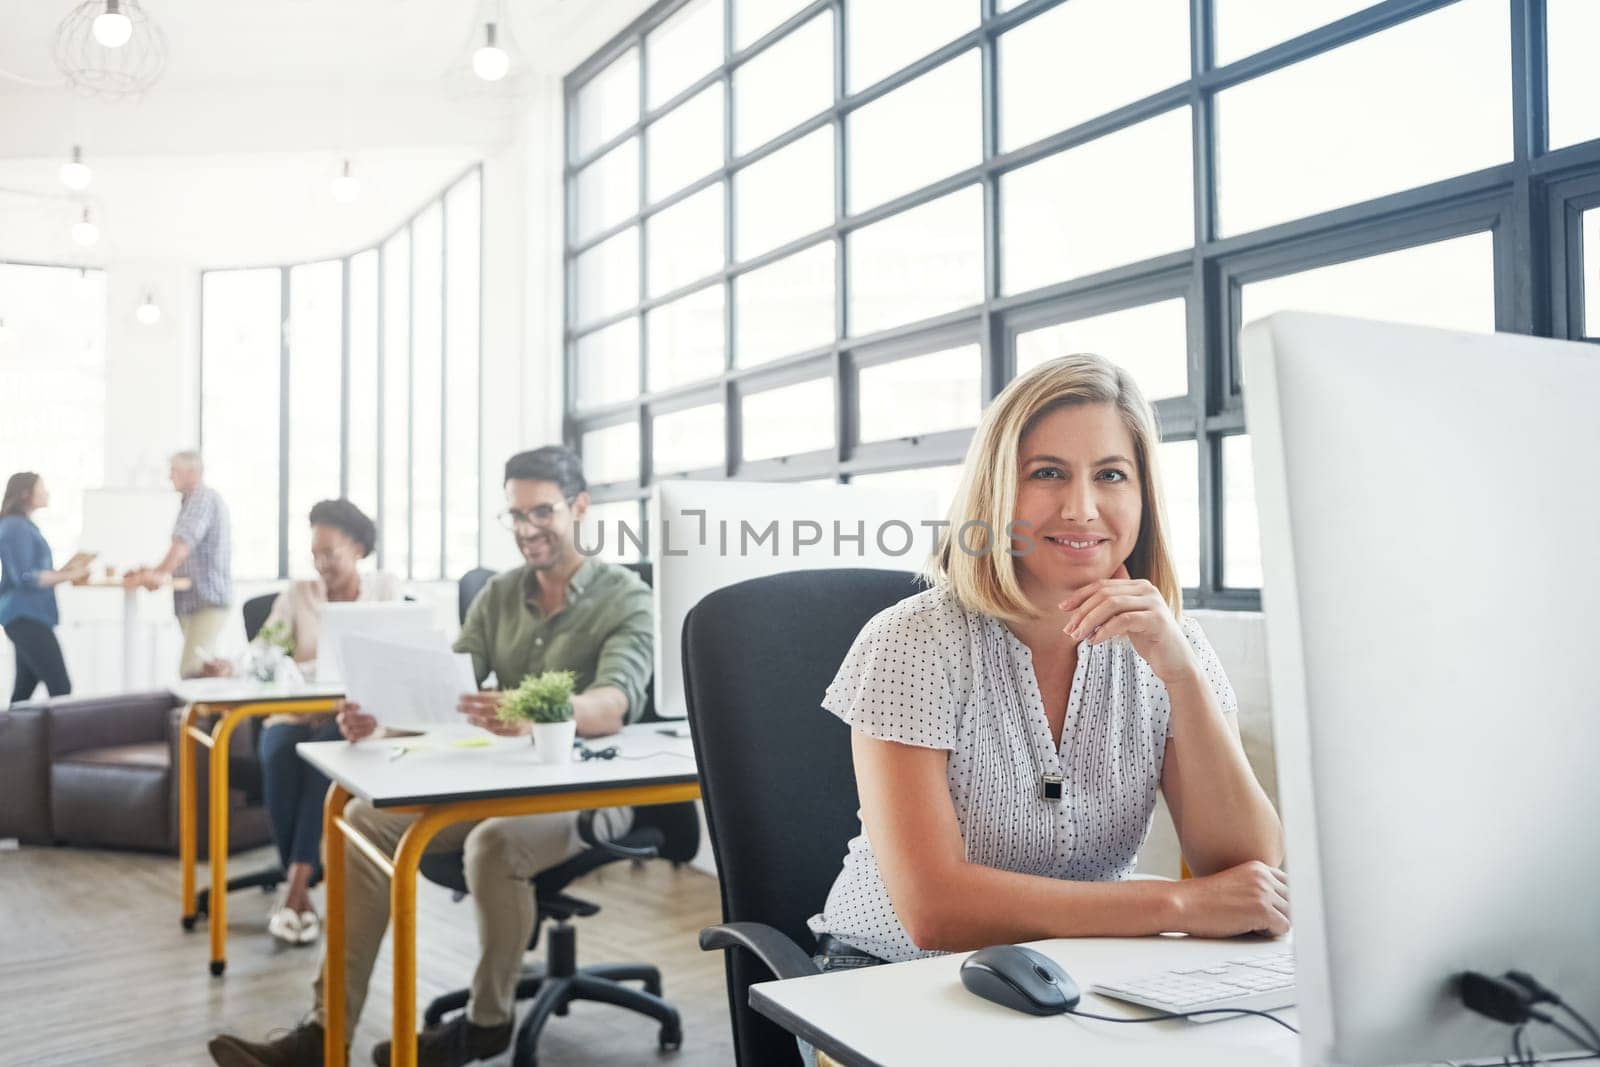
559,611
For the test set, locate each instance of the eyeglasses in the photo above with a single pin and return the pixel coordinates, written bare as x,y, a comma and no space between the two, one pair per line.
538,515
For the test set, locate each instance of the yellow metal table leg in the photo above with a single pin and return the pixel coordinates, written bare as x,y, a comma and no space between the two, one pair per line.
403,914
403,878
333,1050
218,914
186,814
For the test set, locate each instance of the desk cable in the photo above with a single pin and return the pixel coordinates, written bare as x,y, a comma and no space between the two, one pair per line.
585,753
1512,998
1184,1015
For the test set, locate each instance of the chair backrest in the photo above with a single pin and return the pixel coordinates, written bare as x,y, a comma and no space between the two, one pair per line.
469,587
775,769
256,610
672,829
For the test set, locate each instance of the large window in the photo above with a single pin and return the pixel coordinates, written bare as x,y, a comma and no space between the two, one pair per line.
354,377
853,221
53,376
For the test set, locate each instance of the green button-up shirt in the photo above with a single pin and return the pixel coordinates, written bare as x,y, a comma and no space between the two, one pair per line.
604,634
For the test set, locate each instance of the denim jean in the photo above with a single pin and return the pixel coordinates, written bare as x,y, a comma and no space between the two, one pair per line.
833,955
295,789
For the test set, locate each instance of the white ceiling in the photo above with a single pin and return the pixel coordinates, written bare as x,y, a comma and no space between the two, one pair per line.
266,42
228,159
216,211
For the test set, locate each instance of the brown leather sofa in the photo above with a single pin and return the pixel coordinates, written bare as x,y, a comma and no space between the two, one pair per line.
104,771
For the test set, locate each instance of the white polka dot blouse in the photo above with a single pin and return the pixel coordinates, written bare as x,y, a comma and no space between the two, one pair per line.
928,672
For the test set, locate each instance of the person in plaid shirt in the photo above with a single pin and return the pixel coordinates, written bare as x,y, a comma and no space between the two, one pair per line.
202,549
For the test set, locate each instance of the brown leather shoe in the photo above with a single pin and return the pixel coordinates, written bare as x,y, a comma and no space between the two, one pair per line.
300,1047
452,1043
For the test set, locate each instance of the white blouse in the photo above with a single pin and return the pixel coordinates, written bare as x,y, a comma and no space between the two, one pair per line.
300,604
928,672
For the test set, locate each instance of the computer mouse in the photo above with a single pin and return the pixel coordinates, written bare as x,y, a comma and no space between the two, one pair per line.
1021,979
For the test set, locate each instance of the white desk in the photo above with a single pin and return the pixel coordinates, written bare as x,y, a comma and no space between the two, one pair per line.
446,784
435,769
130,617
232,701
919,1012
248,690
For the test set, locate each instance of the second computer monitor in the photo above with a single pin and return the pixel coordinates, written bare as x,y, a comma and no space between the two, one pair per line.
1430,515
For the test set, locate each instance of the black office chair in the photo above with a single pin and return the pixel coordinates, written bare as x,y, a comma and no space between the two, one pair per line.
256,610
670,831
468,588
757,657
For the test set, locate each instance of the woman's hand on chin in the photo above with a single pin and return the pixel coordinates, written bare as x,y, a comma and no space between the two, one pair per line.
1131,607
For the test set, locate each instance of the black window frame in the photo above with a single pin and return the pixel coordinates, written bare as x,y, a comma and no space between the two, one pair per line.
1531,204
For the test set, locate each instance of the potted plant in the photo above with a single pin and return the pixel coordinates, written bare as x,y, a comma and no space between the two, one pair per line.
545,701
273,646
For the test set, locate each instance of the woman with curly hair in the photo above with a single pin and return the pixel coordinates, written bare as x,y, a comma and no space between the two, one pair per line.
341,537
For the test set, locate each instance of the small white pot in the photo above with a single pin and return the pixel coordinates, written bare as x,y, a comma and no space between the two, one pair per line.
552,741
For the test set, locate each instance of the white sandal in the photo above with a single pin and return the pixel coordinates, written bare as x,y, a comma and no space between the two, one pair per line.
285,926
310,927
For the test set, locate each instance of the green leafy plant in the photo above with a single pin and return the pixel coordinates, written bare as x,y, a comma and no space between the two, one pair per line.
544,698
278,635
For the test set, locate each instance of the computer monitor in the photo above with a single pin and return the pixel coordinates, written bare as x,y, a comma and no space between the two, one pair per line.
752,529
397,619
1430,535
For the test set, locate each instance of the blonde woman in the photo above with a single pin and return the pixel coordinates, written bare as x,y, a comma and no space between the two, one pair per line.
1012,724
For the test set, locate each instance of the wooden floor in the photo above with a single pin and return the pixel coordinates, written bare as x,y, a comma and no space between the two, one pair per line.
94,967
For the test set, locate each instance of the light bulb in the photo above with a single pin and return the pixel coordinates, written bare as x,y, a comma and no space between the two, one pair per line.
75,173
490,62
111,27
85,232
149,312
345,188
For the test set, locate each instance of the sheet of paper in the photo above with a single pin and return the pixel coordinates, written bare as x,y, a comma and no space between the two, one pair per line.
409,684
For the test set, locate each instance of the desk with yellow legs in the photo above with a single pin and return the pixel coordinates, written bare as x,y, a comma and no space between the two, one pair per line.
230,701
444,782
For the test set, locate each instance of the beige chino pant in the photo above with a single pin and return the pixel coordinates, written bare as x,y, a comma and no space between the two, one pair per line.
500,856
201,629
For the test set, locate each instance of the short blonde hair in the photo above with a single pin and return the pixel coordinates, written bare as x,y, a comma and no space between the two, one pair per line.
979,570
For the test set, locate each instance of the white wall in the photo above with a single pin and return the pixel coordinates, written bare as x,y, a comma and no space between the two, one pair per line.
522,372
152,372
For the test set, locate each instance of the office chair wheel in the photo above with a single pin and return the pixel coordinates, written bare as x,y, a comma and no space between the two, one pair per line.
671,1037
189,921
217,967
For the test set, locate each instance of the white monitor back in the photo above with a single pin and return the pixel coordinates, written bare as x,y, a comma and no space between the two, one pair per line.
1429,516
401,621
687,566
128,527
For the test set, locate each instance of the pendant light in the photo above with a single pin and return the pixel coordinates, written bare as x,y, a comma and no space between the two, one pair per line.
490,62
75,173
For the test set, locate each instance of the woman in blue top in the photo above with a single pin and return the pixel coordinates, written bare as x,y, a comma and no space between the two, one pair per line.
27,589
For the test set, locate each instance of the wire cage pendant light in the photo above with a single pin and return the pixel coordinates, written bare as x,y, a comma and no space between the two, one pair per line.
98,68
